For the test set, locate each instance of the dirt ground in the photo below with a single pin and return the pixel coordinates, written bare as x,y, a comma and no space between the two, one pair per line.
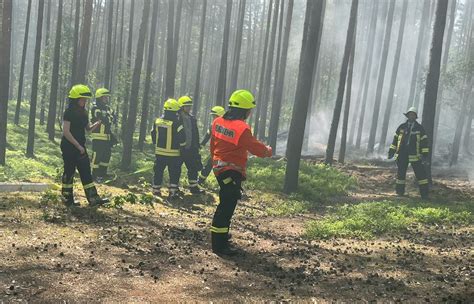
162,254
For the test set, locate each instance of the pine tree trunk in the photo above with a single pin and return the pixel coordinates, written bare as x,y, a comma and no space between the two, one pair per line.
86,31
393,80
308,62
197,86
22,66
238,46
55,75
108,54
444,67
381,78
132,117
368,62
169,80
278,92
268,75
414,76
347,106
34,86
263,68
146,91
75,47
220,95
46,59
342,83
127,69
5,49
432,80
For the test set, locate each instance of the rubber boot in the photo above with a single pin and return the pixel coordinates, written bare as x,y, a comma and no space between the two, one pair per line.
94,199
400,189
424,192
220,244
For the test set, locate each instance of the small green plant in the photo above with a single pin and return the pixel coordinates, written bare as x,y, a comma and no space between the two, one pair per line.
52,207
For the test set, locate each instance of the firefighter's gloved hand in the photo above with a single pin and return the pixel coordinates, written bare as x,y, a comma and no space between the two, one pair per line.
269,151
425,160
391,154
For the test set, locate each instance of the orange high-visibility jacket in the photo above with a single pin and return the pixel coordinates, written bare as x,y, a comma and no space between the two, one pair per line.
230,143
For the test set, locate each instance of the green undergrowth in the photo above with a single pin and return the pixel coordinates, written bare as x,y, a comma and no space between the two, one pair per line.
370,219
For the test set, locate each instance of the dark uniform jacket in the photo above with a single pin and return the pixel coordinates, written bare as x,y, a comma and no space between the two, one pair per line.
168,135
410,140
102,112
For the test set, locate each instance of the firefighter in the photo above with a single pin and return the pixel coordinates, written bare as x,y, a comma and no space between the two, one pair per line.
410,145
102,137
73,147
216,111
190,153
231,140
168,138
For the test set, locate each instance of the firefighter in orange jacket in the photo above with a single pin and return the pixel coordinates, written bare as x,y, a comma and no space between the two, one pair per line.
231,141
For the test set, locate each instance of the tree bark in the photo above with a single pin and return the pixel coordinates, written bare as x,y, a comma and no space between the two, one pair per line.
146,91
393,80
127,69
432,80
268,76
278,92
55,75
108,54
368,62
238,46
169,80
75,47
220,95
347,106
197,86
84,46
262,67
444,67
414,75
381,78
22,65
5,49
308,61
132,117
342,83
34,86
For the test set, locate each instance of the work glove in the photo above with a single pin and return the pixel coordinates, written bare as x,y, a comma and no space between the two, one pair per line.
269,151
391,154
425,160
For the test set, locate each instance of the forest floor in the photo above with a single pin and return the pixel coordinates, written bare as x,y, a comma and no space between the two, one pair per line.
291,249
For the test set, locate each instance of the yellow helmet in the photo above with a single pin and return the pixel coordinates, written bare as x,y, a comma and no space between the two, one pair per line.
185,101
242,99
171,105
218,110
80,91
102,92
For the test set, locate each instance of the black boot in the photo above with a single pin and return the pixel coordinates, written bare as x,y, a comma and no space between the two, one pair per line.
196,190
220,244
94,199
69,200
424,192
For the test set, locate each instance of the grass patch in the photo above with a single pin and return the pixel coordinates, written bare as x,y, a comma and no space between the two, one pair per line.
317,182
369,219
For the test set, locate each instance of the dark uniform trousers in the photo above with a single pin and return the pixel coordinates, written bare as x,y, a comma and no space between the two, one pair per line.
192,159
102,151
74,160
174,170
420,173
230,183
206,170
